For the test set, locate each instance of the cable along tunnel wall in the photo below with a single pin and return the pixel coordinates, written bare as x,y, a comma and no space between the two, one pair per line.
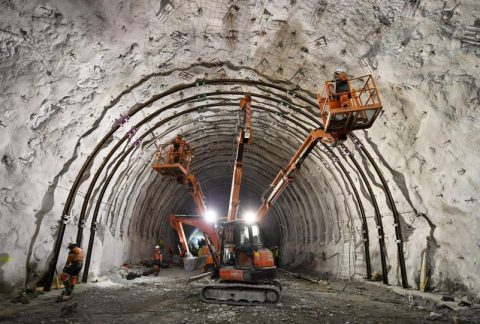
297,109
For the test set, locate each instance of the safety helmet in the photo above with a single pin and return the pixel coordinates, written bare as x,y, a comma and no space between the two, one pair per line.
339,70
71,245
157,247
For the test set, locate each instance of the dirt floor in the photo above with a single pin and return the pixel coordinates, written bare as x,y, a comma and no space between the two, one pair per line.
169,298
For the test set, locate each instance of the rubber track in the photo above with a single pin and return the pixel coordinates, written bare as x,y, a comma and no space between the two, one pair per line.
243,286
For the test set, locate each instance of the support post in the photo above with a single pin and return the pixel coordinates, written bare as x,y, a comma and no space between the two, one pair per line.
58,245
93,229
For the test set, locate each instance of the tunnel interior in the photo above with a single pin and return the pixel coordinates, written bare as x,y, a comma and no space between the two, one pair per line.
207,116
91,90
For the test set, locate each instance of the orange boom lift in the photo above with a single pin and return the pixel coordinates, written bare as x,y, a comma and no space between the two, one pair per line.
345,105
175,162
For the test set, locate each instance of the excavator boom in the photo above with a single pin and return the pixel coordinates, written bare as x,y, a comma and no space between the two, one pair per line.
245,136
283,177
177,222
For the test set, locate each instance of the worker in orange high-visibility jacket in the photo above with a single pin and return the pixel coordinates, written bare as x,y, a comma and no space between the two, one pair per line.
157,260
71,270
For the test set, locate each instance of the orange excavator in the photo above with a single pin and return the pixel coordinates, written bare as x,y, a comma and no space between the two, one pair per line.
247,269
177,222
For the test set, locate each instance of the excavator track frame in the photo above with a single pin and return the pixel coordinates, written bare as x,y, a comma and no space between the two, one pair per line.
241,294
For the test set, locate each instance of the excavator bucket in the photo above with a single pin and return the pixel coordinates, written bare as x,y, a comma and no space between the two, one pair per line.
347,105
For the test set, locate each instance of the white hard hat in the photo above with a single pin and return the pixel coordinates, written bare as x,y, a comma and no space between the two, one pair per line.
339,69
157,247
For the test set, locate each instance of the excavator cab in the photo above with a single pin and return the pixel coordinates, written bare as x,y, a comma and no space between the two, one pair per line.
246,268
243,256
174,159
347,104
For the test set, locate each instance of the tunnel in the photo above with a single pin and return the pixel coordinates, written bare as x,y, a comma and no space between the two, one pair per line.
307,220
92,91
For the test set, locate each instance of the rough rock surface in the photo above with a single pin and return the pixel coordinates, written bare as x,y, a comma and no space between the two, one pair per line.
71,69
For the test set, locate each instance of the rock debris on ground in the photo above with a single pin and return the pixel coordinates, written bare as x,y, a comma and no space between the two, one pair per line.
169,298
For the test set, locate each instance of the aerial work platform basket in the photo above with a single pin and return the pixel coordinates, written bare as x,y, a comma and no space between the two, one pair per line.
349,104
173,159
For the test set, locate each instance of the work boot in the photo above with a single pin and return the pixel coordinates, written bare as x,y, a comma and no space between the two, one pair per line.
68,287
66,297
63,297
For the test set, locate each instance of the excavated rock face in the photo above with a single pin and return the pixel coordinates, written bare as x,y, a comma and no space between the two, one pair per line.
72,70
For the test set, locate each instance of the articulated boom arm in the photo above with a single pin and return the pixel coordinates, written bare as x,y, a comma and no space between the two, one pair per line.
285,176
196,192
245,135
177,221
346,104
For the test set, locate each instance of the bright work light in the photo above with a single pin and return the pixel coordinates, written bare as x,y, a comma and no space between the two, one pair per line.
250,217
210,215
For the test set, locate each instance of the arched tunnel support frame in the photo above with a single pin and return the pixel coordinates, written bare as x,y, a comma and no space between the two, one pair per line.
378,216
125,154
108,136
362,211
396,216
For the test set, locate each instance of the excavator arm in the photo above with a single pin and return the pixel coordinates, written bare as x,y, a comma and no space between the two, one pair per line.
245,136
177,222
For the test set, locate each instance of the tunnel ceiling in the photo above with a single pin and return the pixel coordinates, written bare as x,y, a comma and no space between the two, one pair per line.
72,71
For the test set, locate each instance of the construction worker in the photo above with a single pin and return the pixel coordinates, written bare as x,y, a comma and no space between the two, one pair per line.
157,260
203,247
342,88
179,146
71,270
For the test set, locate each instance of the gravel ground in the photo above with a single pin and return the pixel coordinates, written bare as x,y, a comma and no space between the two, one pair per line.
168,298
